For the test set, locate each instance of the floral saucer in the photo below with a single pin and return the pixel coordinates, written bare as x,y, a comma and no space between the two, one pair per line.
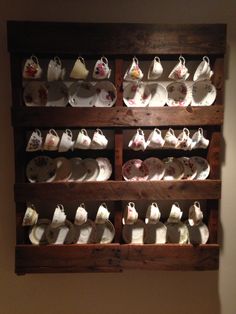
135,233
177,232
190,169
105,169
41,169
92,168
135,170
78,169
136,95
82,94
159,95
179,94
57,94
85,233
35,94
198,234
37,232
60,235
105,232
174,169
156,168
106,94
202,166
156,233
64,170
203,93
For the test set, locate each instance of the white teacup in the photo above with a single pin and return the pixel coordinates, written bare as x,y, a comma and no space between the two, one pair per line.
66,142
83,141
99,140
81,215
184,140
130,214
102,214
101,69
35,141
175,214
155,69
30,217
55,71
170,139
32,69
79,71
198,140
155,139
179,72
195,214
59,217
51,141
134,72
138,141
153,214
203,71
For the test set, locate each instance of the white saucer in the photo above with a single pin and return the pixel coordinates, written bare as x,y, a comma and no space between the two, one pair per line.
136,95
177,233
203,93
159,95
179,94
41,169
156,168
78,169
37,232
57,94
135,170
174,169
64,169
156,233
105,169
190,170
82,94
35,94
135,233
203,167
106,94
92,168
105,232
61,235
198,234
85,233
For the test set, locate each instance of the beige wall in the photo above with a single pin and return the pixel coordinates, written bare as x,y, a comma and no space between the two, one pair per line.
131,292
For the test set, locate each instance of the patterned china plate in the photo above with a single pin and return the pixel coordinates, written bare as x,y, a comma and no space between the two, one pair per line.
41,169
203,167
57,94
37,232
156,168
179,94
35,94
203,93
177,233
105,232
106,94
159,95
92,168
135,233
82,94
136,95
190,169
78,169
198,234
64,170
105,169
85,233
156,233
174,169
61,235
135,170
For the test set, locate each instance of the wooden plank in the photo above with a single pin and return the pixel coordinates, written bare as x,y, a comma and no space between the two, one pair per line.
213,222
118,190
67,258
116,117
121,39
213,155
218,80
170,257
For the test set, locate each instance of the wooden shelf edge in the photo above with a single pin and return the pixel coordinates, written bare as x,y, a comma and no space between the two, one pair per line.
114,258
118,117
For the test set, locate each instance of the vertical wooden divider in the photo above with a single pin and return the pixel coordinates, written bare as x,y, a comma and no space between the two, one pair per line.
218,80
118,158
213,206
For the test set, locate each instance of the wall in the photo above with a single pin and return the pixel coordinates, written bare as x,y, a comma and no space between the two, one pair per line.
132,291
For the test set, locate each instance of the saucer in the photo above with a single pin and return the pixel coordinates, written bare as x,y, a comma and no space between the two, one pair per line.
177,233
174,169
92,168
35,94
61,235
156,233
37,232
105,169
190,170
203,167
64,170
78,169
156,168
159,95
136,95
85,233
106,94
105,232
57,94
41,169
198,234
82,94
135,170
135,233
203,93
179,94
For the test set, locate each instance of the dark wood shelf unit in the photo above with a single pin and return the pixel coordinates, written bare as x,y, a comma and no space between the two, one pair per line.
123,41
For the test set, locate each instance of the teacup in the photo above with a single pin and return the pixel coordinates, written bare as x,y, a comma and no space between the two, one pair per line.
155,139
195,214
79,70
198,140
51,141
134,72
102,214
130,214
66,142
179,72
30,217
203,71
184,140
59,217
155,69
153,214
101,69
81,215
170,139
138,141
175,213
83,141
55,71
32,69
99,140
35,141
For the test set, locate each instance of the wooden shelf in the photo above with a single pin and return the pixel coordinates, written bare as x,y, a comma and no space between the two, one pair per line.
114,258
116,117
118,190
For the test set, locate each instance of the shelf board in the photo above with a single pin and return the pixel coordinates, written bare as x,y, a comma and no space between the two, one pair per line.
118,190
114,258
119,117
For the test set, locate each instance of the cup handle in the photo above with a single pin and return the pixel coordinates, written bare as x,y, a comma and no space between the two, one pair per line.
157,59
99,131
104,59
186,131
172,132
84,131
135,60
131,204
182,60
154,204
57,60
205,58
140,131
158,131
201,131
69,132
104,205
61,207
34,59
53,132
38,132
81,59
82,205
197,204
